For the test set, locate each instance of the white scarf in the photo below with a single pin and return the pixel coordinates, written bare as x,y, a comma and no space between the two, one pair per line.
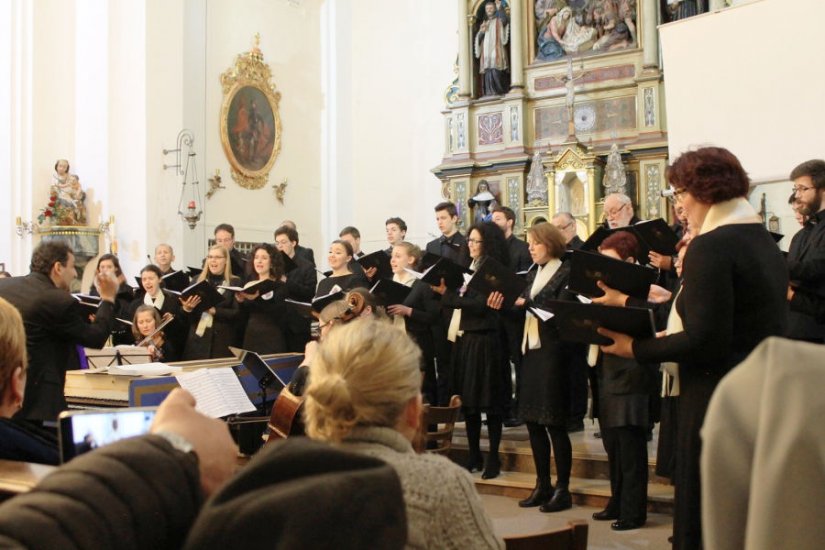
453,331
158,301
544,273
734,211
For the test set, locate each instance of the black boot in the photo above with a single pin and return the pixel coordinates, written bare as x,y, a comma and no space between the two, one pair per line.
540,495
493,467
562,500
475,462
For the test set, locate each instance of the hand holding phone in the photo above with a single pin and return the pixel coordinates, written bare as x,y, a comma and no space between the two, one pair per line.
210,438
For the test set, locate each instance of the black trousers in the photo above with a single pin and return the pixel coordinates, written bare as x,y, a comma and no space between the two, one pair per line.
626,448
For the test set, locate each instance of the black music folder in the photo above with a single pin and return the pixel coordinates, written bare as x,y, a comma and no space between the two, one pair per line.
209,295
88,304
389,292
588,267
435,267
379,260
263,286
310,310
176,280
194,271
655,235
578,322
493,276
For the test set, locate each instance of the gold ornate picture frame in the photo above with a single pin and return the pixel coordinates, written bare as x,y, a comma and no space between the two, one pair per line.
250,121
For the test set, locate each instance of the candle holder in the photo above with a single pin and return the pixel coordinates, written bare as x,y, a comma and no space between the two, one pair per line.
190,194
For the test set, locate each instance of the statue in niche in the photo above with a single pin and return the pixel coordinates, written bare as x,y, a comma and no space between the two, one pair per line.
682,9
67,200
536,183
490,48
482,203
615,176
573,27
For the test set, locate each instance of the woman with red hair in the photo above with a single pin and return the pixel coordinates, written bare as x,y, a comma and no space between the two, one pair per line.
733,296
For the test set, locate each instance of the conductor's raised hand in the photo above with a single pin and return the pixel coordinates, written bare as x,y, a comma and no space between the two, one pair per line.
210,438
107,286
622,345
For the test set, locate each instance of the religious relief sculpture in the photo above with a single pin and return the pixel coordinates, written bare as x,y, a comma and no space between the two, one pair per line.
67,200
615,176
482,203
573,27
536,183
490,41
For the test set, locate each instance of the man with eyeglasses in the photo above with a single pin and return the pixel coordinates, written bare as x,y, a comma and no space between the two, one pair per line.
806,255
566,224
618,211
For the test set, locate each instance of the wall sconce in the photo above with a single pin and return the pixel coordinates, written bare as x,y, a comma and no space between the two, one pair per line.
190,205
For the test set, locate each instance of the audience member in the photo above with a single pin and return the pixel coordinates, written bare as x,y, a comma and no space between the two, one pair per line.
55,325
364,396
19,440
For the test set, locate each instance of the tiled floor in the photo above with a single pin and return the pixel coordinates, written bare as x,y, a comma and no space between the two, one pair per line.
509,519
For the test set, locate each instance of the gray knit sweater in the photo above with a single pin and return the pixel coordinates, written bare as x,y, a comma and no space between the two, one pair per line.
443,507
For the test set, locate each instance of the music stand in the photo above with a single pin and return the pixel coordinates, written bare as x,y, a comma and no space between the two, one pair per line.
100,359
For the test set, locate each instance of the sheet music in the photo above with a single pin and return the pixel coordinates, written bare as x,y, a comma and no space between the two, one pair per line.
584,299
144,369
415,273
218,391
542,314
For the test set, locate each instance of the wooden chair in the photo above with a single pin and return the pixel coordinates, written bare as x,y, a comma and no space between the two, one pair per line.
440,441
572,537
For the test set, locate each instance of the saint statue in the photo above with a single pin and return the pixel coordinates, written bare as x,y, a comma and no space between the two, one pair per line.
536,183
67,203
615,176
490,49
482,203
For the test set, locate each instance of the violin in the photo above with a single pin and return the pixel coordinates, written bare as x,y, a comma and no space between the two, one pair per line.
157,339
285,419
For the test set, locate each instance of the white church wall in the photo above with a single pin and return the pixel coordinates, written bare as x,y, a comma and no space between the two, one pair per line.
745,78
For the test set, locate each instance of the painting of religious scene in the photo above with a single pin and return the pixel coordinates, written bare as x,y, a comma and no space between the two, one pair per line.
576,27
250,128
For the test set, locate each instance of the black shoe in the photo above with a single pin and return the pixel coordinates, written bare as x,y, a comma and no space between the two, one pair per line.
597,435
540,495
562,500
492,469
626,525
475,463
512,422
605,515
575,426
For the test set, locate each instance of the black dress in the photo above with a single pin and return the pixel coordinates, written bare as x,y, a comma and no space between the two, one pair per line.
176,330
215,340
545,391
425,312
477,369
733,297
346,282
266,317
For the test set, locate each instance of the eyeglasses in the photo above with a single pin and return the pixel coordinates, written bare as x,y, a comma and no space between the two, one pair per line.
565,226
474,241
615,212
799,189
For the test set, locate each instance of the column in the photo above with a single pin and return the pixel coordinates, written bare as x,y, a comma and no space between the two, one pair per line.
650,35
464,60
717,5
516,54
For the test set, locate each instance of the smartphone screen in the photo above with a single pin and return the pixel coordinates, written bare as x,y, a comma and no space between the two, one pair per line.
82,431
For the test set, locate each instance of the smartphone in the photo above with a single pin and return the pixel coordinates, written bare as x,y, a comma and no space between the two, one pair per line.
82,431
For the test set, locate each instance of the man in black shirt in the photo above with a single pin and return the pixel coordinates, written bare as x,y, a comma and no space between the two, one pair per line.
300,286
300,251
806,256
566,224
225,236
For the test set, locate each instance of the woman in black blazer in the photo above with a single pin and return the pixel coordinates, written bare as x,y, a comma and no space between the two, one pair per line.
153,294
477,369
109,263
418,312
212,331
544,401
733,296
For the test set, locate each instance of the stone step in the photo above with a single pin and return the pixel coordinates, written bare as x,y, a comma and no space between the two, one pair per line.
586,492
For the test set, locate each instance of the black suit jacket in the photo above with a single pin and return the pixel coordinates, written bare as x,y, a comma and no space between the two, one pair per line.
806,266
453,248
575,243
305,253
54,326
238,264
520,259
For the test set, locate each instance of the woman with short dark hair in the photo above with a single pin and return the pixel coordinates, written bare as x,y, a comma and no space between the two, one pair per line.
733,296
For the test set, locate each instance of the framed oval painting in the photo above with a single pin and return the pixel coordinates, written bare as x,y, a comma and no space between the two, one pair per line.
250,122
